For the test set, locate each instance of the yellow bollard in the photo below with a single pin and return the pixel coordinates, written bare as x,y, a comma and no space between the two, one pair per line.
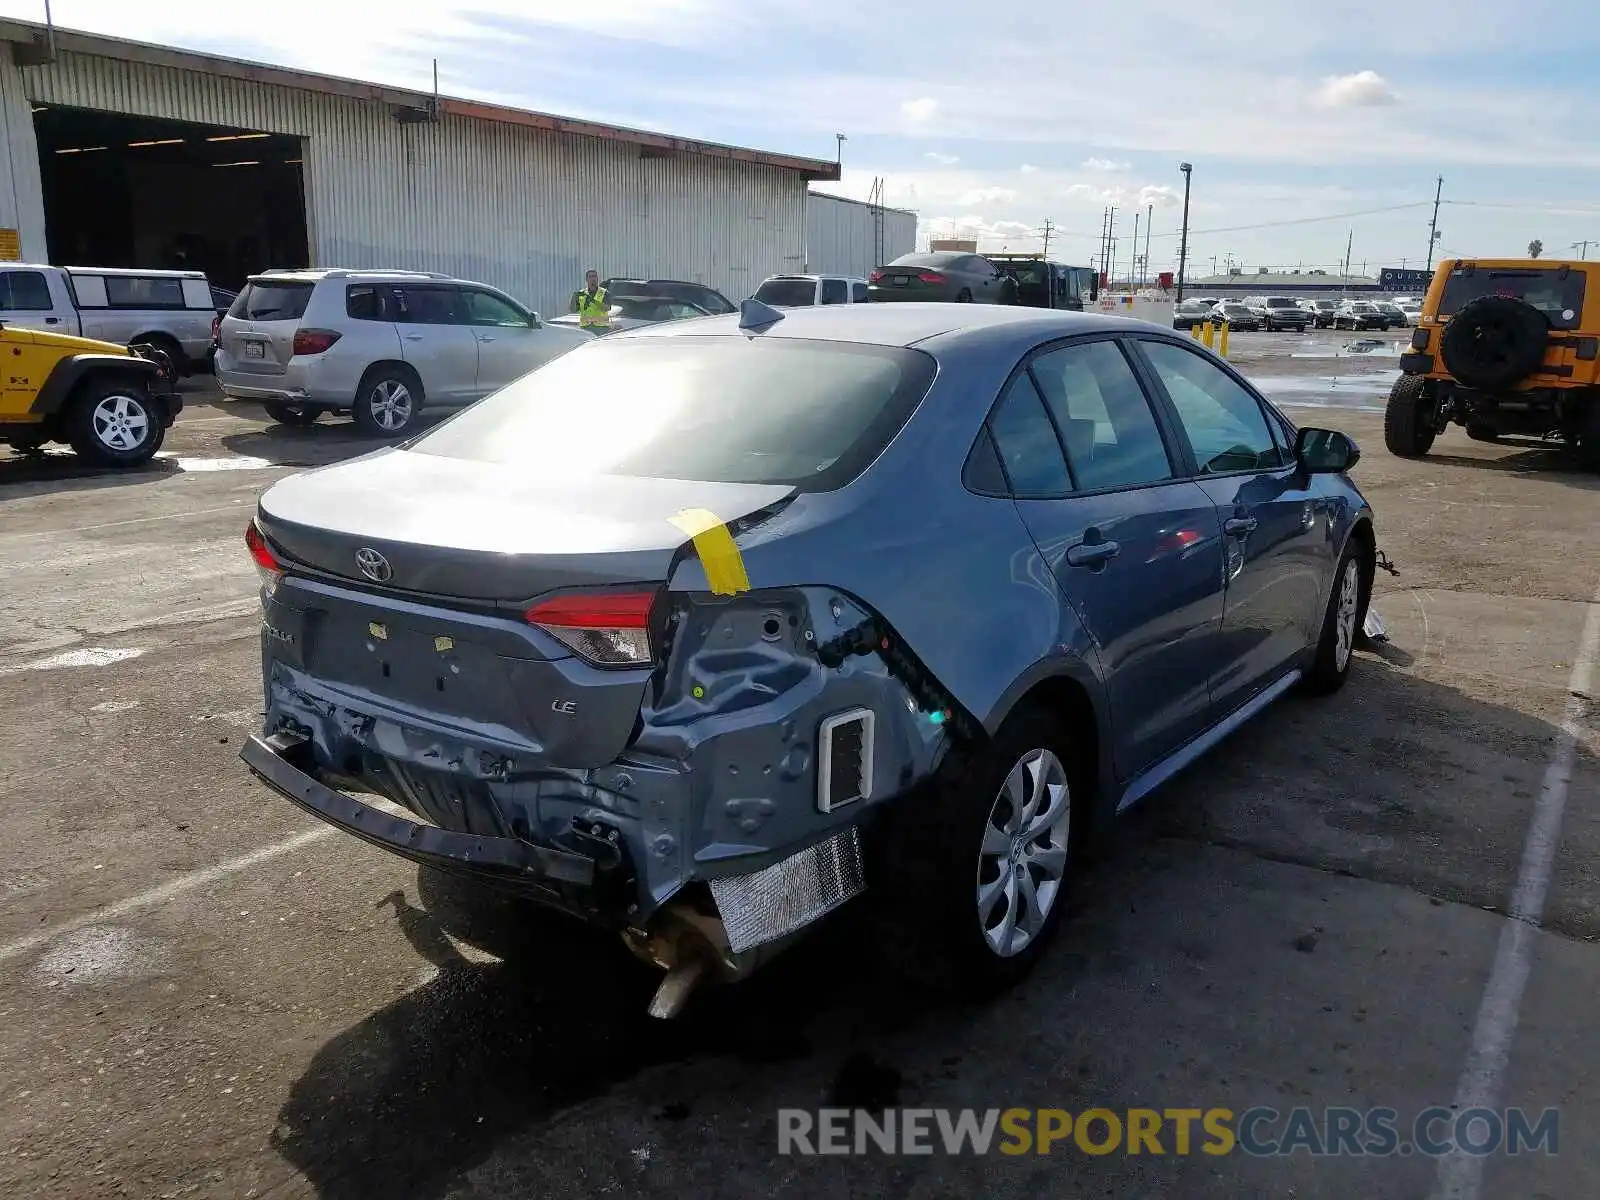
1209,336
1194,331
1222,344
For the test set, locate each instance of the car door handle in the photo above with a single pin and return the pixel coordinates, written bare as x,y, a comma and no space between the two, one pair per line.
1238,525
1092,554
485,339
52,320
413,337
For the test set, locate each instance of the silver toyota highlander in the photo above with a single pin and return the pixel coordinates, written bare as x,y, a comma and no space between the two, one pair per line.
380,345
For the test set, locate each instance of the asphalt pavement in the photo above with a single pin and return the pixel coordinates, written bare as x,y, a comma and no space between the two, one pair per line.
1386,900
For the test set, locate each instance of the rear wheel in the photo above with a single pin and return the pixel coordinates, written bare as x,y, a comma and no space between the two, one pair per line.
169,347
977,872
1482,431
388,401
1340,624
965,297
113,422
1588,447
1408,419
291,414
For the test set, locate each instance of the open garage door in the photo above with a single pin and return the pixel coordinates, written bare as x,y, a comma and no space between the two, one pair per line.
123,191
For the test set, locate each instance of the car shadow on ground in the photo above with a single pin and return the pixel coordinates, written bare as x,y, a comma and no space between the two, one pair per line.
330,440
487,1053
57,469
1528,458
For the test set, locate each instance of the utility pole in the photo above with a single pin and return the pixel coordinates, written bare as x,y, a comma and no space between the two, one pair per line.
1149,220
1183,238
1582,247
1348,246
1111,245
1433,225
1133,281
1047,229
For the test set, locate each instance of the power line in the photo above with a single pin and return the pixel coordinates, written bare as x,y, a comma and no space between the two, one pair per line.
1367,212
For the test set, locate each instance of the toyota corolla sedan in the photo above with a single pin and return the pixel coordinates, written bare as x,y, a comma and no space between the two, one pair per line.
905,600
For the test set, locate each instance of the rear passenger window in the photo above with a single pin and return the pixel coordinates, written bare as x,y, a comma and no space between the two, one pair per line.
364,302
1027,442
24,291
858,293
834,291
1105,419
428,306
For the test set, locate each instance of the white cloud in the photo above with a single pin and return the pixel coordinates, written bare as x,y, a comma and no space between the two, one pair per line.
1105,164
974,197
1363,89
1028,169
1161,195
919,111
945,160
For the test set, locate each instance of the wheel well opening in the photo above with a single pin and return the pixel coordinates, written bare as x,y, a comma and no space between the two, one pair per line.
1366,544
1066,697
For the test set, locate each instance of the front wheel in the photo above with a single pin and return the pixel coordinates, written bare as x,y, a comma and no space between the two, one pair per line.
964,297
1341,621
114,423
1482,431
976,873
1408,418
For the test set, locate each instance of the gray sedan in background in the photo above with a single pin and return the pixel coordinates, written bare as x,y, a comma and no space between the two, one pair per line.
942,276
702,629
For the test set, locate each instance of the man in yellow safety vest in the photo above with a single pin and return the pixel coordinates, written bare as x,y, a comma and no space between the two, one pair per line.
592,304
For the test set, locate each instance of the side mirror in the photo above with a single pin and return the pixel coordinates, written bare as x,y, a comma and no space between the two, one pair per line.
1325,451
534,320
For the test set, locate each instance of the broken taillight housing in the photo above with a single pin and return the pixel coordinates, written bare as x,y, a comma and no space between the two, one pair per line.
607,629
314,341
267,564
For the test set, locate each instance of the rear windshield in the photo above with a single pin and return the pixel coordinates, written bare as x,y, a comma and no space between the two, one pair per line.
271,302
1556,291
718,409
1281,302
794,293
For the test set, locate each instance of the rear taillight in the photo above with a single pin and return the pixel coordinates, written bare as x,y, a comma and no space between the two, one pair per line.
930,277
267,563
314,341
216,329
608,629
875,277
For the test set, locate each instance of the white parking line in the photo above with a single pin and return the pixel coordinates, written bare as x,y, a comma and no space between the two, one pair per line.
177,516
1461,1175
166,891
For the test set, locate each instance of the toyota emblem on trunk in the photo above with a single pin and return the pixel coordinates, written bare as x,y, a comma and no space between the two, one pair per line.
374,565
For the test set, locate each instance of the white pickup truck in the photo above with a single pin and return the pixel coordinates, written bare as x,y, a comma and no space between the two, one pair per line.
170,310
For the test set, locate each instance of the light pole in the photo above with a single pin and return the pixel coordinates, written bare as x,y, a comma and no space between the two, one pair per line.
1183,238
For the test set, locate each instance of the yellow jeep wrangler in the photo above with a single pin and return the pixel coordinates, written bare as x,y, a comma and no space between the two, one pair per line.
1503,345
112,404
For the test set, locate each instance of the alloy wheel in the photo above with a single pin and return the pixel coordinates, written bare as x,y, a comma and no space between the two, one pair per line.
391,405
1344,619
121,422
1022,862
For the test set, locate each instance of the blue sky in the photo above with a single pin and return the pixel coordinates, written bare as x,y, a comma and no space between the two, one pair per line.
989,119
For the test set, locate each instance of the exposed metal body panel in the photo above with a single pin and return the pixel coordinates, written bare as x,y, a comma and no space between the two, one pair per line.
840,238
515,205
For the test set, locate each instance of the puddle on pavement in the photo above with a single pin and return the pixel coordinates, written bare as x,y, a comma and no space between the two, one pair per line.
1360,348
1328,391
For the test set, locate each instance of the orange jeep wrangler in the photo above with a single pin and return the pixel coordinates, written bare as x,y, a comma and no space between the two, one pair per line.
1502,346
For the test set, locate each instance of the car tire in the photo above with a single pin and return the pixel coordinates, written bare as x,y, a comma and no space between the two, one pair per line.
1588,442
1482,431
1341,627
954,857
176,358
291,414
1407,428
964,297
111,421
388,401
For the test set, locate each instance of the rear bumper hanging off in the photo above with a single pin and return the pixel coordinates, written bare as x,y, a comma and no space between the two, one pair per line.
278,762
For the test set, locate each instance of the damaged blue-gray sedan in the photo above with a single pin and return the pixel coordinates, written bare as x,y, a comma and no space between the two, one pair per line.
702,630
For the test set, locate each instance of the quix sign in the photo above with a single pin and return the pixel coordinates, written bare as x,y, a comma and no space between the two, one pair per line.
1398,279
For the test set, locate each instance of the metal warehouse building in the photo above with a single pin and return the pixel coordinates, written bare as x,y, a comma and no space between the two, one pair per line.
118,153
848,237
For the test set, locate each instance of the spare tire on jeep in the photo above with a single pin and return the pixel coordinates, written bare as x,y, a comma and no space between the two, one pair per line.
1494,342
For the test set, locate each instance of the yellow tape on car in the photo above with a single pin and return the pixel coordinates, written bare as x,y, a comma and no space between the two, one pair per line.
719,553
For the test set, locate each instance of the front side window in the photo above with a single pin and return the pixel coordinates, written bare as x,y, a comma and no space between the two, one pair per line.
1105,420
1224,422
720,409
25,291
834,291
483,308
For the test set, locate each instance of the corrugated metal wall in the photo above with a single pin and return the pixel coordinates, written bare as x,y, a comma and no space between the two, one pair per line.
21,193
839,235
519,208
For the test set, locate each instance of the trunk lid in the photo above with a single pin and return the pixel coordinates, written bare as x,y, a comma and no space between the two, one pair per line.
443,643
257,334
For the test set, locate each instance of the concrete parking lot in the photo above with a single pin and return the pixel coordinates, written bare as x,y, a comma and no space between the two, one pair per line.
1388,899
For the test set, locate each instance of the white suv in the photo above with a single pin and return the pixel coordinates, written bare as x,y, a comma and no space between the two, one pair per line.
803,291
380,345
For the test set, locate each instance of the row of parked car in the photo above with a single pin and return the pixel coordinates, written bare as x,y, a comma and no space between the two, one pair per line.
1272,313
